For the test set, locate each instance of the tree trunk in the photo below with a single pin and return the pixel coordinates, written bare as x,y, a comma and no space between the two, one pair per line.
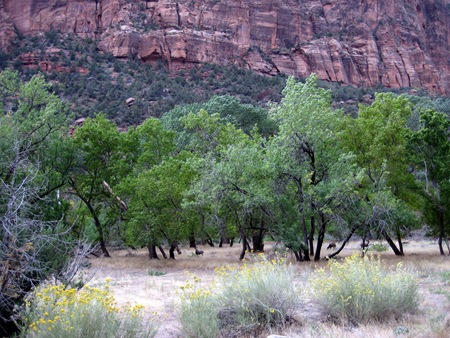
344,242
231,242
103,248
192,243
392,244
441,230
400,244
162,251
172,251
244,248
448,246
311,236
258,242
305,236
210,242
97,222
152,251
298,256
320,238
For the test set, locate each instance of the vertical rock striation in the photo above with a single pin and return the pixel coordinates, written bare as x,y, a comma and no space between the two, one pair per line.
397,44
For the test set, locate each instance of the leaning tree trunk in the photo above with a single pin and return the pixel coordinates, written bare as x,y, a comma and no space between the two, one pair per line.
97,223
210,242
298,256
392,244
162,251
344,242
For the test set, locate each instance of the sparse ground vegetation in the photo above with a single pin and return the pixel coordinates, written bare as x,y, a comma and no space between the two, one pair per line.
162,294
243,300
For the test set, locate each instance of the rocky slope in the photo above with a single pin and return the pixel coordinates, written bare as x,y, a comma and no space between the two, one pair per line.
400,43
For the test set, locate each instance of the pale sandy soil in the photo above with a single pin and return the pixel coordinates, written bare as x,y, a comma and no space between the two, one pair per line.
131,283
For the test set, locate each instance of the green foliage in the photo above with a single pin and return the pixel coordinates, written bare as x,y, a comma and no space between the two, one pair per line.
252,297
431,147
378,247
360,290
314,174
35,242
55,311
378,139
155,273
199,312
154,208
101,164
230,110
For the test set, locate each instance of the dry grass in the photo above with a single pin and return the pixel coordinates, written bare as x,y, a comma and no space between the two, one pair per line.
131,283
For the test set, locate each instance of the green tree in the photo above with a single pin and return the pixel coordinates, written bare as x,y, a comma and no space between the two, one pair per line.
378,139
313,173
99,169
228,108
431,144
34,240
150,145
155,211
232,190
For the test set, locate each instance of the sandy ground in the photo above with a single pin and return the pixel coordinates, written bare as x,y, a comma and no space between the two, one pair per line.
131,282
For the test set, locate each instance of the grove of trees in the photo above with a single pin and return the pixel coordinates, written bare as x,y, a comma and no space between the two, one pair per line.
220,171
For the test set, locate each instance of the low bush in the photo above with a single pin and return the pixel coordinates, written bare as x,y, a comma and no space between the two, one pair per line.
199,309
247,299
359,290
55,311
378,247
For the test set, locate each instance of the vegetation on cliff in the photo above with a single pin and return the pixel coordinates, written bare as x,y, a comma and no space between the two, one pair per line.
218,169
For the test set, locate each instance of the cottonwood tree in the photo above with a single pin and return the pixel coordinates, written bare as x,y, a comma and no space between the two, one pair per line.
313,173
378,139
233,188
154,189
155,214
228,109
431,147
100,166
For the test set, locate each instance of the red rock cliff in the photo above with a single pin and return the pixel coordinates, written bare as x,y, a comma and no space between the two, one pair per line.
401,43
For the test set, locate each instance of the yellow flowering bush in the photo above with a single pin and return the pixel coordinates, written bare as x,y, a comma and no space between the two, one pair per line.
55,311
244,299
360,290
198,309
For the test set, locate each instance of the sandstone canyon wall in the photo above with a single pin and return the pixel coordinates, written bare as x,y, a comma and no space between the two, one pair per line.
401,43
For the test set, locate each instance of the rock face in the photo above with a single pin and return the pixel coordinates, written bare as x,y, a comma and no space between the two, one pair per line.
401,43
